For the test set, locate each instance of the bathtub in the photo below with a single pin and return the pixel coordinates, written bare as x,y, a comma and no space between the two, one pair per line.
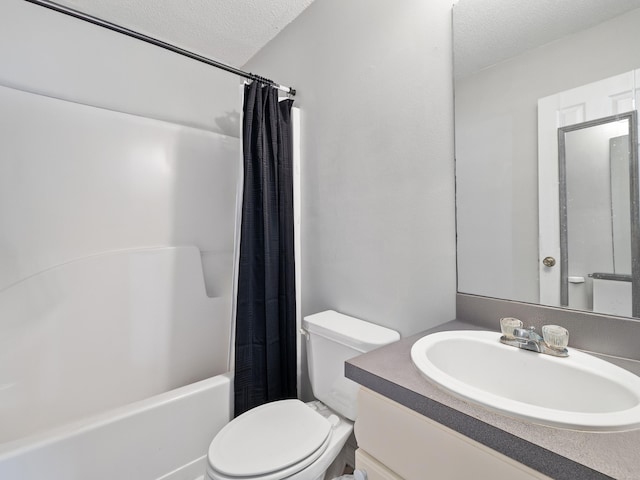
113,366
163,437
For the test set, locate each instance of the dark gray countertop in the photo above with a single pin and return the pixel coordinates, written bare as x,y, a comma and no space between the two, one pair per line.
558,453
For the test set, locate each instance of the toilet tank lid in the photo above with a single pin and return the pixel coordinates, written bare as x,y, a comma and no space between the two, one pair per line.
353,332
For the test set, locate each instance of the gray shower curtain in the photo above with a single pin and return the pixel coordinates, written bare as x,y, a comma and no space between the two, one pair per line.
265,343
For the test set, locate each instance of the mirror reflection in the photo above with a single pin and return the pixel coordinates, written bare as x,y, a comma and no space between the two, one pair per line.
597,197
510,58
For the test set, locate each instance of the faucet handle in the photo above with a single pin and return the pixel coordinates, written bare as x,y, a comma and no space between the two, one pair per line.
555,336
508,325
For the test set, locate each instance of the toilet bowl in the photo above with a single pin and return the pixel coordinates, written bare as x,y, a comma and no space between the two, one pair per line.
289,439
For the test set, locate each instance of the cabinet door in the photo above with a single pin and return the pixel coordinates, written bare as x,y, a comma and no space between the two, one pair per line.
415,447
375,470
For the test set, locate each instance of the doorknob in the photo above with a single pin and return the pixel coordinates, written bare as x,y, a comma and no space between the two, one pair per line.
549,261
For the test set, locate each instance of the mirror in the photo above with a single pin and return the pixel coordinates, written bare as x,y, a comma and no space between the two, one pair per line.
508,56
598,197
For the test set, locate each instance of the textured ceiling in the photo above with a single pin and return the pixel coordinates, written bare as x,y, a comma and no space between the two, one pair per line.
230,31
487,32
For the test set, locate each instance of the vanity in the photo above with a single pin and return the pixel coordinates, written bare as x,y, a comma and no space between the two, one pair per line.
408,428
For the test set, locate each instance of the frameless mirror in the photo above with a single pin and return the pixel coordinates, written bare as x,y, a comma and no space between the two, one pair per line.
510,55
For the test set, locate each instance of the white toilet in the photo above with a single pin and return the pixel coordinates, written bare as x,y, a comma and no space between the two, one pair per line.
290,439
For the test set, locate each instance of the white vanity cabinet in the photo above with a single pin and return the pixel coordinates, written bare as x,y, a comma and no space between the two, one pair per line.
396,443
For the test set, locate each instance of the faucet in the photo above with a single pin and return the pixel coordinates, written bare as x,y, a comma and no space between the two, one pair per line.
528,339
553,342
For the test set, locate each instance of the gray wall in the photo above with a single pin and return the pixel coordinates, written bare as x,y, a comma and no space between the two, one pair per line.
375,89
497,157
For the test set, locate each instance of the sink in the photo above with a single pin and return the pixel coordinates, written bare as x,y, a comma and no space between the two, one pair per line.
579,392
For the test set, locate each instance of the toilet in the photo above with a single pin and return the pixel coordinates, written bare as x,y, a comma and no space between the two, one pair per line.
295,440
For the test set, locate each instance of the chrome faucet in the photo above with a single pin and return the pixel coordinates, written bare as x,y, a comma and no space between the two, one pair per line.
553,342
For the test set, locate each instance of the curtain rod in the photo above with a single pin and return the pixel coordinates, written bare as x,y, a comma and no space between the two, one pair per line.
158,43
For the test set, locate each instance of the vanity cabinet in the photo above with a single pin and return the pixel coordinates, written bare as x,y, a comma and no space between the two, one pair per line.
396,443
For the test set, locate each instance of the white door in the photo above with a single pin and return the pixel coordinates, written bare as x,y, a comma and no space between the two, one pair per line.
606,97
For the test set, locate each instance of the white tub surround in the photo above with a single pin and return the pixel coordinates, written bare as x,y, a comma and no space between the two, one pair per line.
116,255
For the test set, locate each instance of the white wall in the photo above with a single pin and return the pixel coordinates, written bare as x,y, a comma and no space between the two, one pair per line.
374,86
497,157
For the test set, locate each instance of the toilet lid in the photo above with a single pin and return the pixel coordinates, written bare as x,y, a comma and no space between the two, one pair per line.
268,438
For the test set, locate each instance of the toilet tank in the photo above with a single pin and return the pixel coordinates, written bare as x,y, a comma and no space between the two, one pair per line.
332,339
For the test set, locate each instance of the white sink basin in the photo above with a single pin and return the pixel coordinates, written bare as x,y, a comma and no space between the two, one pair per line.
579,392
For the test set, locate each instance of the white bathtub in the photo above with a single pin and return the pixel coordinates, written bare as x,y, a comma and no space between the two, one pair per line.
106,331
112,367
163,437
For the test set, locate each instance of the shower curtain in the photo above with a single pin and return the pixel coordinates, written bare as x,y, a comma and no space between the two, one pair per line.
265,338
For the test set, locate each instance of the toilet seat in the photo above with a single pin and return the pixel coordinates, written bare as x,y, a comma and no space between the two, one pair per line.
269,442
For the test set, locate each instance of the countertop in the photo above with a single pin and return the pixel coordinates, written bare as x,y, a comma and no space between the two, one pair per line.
561,454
